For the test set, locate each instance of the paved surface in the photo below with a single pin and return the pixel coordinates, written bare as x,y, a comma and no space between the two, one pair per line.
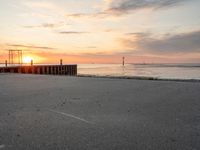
69,113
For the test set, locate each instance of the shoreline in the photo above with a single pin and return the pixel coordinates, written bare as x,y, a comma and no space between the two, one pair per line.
120,77
138,78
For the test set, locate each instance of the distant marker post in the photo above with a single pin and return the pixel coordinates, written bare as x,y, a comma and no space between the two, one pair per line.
123,61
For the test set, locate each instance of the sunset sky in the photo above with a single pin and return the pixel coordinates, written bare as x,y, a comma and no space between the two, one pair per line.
101,31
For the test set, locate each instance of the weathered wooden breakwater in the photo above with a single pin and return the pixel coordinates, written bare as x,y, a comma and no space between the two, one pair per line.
42,69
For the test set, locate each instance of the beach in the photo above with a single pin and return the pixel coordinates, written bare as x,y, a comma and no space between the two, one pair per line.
83,113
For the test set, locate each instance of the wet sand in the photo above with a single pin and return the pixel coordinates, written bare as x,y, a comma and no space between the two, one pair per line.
84,113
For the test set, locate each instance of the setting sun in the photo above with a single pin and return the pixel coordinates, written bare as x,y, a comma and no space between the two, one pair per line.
27,59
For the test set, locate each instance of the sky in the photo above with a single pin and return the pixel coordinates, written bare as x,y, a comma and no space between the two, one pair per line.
101,31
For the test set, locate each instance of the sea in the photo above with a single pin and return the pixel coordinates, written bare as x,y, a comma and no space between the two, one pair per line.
159,71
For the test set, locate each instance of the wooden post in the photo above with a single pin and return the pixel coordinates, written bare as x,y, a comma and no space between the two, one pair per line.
57,69
61,62
51,69
19,70
38,70
43,70
64,70
31,62
47,69
11,70
26,69
6,63
32,70
76,70
70,70
60,70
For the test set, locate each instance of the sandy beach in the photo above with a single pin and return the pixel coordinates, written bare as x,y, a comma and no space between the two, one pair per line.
41,112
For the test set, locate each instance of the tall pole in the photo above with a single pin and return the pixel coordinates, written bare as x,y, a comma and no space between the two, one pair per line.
123,61
9,57
21,58
13,57
18,56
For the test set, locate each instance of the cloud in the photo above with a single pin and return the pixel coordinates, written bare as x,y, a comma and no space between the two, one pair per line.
125,6
30,46
78,15
73,32
42,26
179,43
122,7
47,25
139,34
91,47
88,15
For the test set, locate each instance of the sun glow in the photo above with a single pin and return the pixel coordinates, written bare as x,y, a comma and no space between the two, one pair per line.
27,59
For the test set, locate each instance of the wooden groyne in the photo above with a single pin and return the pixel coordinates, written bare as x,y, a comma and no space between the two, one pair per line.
42,69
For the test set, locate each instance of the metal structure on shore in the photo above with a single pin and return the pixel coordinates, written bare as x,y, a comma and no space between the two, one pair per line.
15,55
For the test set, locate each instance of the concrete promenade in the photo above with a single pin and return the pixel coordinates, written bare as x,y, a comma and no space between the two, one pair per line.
40,112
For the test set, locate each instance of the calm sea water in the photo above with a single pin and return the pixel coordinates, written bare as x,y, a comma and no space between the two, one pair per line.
162,71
